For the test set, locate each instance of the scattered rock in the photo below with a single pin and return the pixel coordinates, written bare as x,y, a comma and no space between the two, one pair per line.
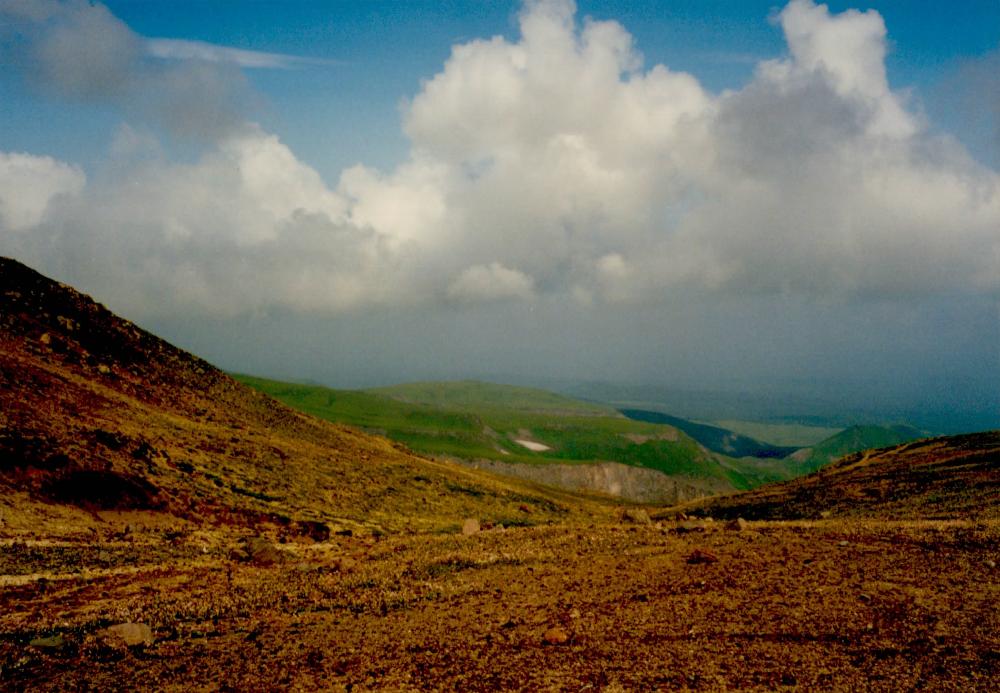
737,525
843,542
317,531
555,635
702,556
989,564
127,634
690,526
344,565
825,514
262,552
53,642
470,526
46,338
636,516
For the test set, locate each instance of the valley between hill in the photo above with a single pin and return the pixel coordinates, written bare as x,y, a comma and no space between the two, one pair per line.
164,527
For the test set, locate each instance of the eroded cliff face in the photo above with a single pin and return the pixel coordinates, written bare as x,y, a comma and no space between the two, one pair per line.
622,480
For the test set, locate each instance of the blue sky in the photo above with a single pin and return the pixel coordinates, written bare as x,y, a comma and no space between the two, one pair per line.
347,111
797,198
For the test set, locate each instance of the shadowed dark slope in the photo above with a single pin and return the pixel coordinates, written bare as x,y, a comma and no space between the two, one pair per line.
716,439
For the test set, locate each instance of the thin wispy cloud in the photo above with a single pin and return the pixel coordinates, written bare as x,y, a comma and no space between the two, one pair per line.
182,49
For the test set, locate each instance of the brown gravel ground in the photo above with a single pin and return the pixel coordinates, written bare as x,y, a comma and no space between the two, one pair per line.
810,605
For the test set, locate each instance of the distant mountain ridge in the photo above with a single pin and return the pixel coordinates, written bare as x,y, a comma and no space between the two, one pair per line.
478,395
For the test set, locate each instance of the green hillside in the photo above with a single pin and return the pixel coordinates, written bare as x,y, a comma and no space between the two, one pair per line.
795,435
851,440
474,395
471,420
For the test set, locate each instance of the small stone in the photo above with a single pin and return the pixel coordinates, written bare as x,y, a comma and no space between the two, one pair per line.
702,556
46,338
574,614
102,369
737,525
345,565
636,516
989,564
825,514
690,526
843,542
555,636
262,552
53,642
128,634
470,527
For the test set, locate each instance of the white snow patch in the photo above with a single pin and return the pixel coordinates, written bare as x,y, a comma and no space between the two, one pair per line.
532,445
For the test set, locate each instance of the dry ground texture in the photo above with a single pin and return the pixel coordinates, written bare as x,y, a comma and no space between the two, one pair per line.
832,605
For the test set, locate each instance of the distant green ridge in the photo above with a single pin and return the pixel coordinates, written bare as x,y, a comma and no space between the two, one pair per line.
473,420
475,395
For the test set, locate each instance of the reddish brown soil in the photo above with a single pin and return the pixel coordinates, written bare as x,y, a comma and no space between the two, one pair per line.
829,605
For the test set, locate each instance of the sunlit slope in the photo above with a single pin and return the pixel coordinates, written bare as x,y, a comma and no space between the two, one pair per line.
97,414
495,422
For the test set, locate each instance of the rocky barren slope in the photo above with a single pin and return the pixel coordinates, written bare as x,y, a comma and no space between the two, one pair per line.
937,478
162,528
98,414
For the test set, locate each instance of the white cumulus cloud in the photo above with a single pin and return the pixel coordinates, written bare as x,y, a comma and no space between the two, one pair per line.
28,184
554,164
490,282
